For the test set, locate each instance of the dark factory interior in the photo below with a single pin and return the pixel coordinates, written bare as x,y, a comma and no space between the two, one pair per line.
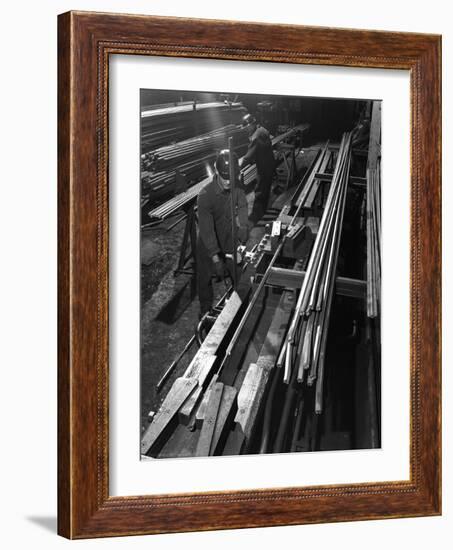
288,358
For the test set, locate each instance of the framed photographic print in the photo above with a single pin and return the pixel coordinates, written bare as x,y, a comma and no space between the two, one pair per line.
249,275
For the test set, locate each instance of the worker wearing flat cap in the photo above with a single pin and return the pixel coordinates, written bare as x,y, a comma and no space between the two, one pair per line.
259,152
215,238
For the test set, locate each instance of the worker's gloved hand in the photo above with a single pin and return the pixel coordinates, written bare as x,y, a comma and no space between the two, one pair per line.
243,234
219,267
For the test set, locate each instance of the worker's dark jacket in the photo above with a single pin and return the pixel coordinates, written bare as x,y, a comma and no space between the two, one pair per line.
214,216
214,235
260,151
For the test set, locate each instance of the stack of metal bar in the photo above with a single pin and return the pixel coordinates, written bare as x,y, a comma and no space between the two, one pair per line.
191,159
373,233
178,122
173,155
162,179
170,207
193,156
303,352
156,185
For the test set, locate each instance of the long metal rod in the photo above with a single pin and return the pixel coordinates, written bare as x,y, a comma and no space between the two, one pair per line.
333,261
326,245
314,257
315,295
174,363
318,247
373,229
324,233
233,211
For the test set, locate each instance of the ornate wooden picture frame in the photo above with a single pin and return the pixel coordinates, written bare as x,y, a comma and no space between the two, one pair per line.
85,508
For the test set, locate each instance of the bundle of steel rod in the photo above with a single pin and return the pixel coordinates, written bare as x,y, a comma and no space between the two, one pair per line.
306,340
156,183
175,123
171,206
156,163
173,155
192,169
373,233
156,186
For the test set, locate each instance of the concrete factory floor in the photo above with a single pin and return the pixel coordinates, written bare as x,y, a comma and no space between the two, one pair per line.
170,305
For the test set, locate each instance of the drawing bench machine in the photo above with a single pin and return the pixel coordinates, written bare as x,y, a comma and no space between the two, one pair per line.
257,382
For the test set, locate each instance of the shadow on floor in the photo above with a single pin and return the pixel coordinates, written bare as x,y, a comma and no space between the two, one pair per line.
178,303
48,523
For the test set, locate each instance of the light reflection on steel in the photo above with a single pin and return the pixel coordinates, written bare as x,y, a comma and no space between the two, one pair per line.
311,316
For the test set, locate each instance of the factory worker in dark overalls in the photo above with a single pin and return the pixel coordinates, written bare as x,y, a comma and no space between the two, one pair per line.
259,152
215,228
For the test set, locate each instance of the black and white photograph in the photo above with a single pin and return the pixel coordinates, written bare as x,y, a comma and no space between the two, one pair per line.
226,275
260,276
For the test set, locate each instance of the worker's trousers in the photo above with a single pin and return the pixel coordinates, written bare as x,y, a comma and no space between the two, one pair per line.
205,273
262,194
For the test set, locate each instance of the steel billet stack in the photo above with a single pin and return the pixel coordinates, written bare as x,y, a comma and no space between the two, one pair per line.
305,345
373,231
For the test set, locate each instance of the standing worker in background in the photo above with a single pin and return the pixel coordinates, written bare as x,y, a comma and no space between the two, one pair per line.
215,238
259,152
